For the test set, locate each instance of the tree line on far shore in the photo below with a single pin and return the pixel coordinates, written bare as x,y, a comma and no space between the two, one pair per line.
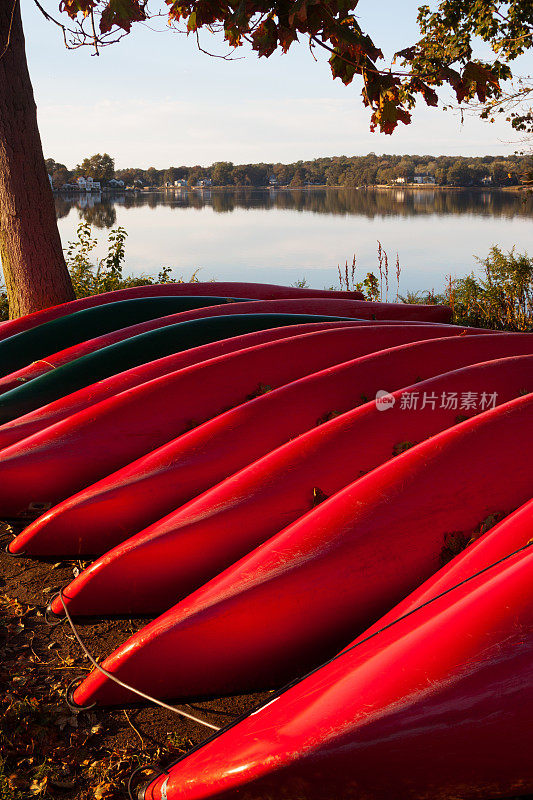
368,170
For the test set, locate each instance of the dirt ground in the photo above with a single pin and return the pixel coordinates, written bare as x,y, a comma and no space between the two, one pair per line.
46,751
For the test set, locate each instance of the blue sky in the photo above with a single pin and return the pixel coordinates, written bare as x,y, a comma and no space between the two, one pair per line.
155,100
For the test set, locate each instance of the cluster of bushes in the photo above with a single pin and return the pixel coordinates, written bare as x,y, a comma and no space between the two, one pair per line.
500,297
369,170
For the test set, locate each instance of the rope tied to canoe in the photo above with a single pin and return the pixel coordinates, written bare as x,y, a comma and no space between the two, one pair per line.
42,361
179,711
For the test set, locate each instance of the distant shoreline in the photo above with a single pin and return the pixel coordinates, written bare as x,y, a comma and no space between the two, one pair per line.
381,187
409,187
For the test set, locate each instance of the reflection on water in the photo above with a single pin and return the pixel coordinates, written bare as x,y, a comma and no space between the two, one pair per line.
100,209
281,236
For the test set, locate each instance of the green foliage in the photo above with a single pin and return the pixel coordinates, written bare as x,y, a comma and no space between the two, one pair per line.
366,170
90,276
105,275
4,304
100,167
501,298
369,287
427,297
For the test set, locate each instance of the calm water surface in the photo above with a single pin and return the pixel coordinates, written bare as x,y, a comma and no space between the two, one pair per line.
280,236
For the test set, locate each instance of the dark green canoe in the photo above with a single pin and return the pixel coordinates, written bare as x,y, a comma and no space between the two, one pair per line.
21,349
138,350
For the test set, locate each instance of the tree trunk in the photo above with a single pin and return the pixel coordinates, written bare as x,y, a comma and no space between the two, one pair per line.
30,248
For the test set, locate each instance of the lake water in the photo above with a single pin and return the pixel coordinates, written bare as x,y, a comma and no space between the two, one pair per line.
281,236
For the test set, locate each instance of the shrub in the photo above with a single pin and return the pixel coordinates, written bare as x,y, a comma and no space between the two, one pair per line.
105,275
501,298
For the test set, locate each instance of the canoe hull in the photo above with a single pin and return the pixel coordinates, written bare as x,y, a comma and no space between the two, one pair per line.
206,455
177,554
332,572
452,722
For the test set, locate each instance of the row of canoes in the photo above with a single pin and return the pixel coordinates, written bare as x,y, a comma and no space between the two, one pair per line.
228,466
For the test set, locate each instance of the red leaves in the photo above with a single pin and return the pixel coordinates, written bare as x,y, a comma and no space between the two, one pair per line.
122,14
479,79
476,79
265,38
116,13
75,7
429,94
389,113
441,56
342,68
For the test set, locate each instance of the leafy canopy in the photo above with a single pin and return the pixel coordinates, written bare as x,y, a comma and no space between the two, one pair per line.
442,56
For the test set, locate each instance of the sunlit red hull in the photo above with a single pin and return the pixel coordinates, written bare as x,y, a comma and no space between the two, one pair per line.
302,595
439,705
50,461
177,554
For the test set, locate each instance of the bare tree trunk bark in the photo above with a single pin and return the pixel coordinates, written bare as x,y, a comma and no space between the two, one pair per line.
30,248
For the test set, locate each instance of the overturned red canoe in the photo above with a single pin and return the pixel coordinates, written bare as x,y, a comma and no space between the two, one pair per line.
180,552
100,323
438,705
152,413
305,593
260,291
138,350
64,407
49,462
328,306
514,532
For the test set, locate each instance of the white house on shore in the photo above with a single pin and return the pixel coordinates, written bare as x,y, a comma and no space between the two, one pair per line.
88,185
419,179
426,179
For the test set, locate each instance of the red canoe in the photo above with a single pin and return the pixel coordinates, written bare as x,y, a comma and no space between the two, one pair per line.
49,462
332,307
259,291
34,421
437,706
511,534
301,596
179,553
149,415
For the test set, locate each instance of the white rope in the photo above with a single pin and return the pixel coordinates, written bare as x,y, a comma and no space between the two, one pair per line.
116,680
